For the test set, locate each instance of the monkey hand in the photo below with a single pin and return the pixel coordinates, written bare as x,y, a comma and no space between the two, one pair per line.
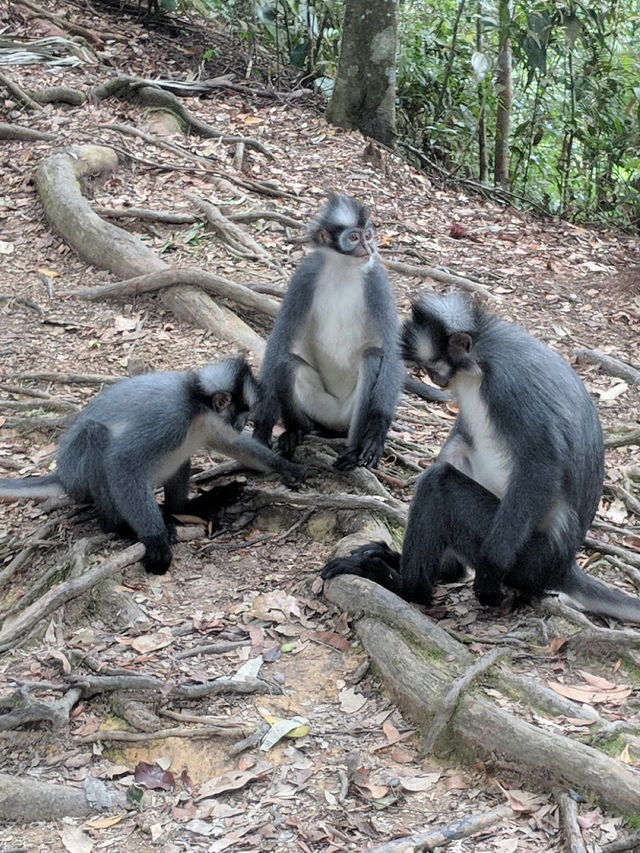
487,588
288,441
157,558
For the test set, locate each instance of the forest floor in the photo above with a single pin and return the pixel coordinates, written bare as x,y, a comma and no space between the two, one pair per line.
356,779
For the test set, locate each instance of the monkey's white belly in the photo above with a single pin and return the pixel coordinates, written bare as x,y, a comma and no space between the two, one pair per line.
489,459
332,344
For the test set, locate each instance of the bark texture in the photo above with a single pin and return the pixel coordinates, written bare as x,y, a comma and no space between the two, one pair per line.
365,87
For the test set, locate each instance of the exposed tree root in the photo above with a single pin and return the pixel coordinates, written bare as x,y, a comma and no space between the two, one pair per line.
441,276
58,95
621,435
63,23
610,365
238,240
25,800
432,839
109,247
26,134
67,590
569,823
19,93
221,287
418,664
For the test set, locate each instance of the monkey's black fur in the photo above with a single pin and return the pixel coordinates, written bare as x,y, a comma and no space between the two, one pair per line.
517,483
139,434
332,362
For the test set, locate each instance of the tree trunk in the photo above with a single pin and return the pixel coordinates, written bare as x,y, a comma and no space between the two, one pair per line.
505,97
364,93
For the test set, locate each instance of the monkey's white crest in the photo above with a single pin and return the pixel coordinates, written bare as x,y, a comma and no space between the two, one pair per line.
453,309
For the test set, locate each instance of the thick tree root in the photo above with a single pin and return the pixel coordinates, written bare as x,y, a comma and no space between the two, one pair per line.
418,661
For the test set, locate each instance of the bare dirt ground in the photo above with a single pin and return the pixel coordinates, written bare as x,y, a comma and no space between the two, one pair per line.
355,779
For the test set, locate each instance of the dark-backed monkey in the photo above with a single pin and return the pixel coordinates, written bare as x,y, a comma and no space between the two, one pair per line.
139,434
518,481
333,360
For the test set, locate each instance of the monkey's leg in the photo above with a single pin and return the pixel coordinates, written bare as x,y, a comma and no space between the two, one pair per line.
176,488
132,493
372,415
307,402
276,387
450,514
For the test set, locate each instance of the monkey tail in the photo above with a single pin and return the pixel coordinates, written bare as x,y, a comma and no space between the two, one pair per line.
587,593
31,487
426,392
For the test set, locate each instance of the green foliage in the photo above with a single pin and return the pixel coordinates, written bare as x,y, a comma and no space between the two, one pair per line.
575,138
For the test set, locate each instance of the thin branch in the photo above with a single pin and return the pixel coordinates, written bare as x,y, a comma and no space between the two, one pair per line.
449,702
610,365
445,835
441,276
569,823
209,282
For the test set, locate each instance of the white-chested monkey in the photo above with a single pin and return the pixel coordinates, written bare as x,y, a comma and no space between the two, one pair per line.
518,480
139,434
332,362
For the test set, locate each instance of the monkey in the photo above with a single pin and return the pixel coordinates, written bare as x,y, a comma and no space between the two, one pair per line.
518,480
140,433
333,362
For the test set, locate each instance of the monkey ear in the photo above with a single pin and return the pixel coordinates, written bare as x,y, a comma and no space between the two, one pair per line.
459,344
221,400
323,237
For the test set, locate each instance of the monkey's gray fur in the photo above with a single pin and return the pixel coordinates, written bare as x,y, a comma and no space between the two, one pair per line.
139,434
333,361
517,483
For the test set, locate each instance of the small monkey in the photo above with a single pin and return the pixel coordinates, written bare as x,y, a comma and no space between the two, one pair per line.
139,434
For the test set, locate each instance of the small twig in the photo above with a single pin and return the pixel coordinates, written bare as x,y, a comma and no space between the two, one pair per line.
396,511
631,502
448,703
255,215
258,540
233,723
631,842
433,838
138,737
440,275
31,544
212,649
19,93
69,589
50,405
26,134
610,365
569,823
250,741
26,392
144,213
93,684
69,378
625,554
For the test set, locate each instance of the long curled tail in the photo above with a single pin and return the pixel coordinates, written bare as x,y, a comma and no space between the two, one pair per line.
31,487
592,595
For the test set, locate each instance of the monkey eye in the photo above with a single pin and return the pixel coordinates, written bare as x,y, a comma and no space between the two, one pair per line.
368,235
354,237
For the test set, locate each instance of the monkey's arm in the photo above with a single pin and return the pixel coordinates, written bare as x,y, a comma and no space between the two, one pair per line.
278,370
251,453
533,488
